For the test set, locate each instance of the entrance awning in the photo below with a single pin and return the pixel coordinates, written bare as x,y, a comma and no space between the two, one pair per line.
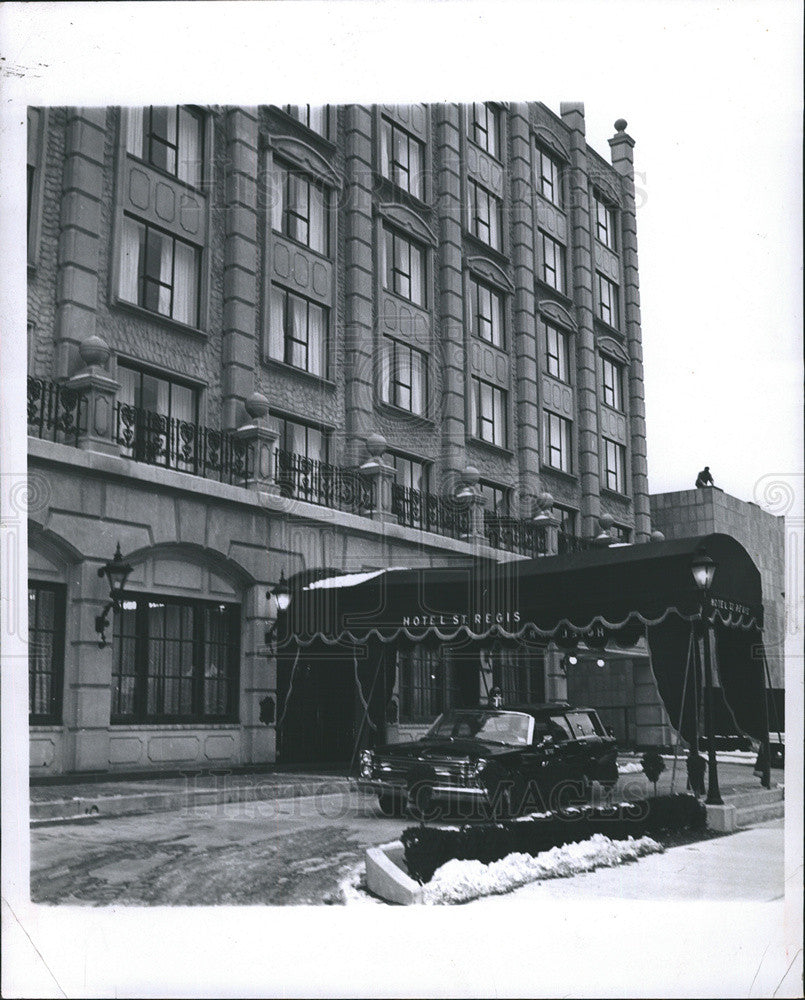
558,597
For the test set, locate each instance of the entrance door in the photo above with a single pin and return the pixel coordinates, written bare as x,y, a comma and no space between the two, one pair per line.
319,724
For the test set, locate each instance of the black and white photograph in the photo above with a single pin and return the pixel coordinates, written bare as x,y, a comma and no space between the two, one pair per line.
408,487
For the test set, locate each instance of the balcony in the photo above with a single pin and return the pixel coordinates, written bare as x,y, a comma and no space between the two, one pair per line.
513,535
427,512
327,485
55,412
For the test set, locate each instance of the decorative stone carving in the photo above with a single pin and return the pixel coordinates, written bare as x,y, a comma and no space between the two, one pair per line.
94,351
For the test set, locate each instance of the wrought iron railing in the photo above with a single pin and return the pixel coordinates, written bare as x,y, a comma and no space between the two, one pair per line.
318,482
178,444
515,535
442,515
55,412
568,542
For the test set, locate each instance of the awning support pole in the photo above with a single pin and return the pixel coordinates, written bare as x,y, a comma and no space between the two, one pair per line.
765,749
682,706
713,792
366,702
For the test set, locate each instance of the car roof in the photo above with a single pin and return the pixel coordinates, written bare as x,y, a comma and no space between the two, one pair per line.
548,708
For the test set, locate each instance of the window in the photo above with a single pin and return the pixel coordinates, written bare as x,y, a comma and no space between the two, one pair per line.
402,158
483,127
486,213
621,533
429,683
175,660
497,498
404,376
519,673
567,519
299,208
403,267
297,332
411,475
45,652
34,157
612,383
169,138
607,300
156,397
615,466
312,116
549,177
304,440
553,263
557,441
604,223
159,272
486,312
488,416
557,352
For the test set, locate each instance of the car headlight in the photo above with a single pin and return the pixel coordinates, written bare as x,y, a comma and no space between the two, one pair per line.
366,763
478,766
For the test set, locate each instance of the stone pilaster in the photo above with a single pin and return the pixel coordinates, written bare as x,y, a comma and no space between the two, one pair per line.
447,133
470,495
98,393
622,146
582,279
240,264
82,194
359,335
258,678
524,330
260,441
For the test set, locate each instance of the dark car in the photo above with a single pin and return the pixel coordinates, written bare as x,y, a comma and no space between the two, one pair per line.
493,761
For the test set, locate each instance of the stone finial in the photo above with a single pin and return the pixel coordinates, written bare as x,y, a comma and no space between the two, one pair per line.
376,445
657,536
620,125
94,351
606,521
256,405
470,476
544,500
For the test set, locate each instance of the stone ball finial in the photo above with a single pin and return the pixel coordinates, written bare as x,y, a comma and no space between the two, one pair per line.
606,521
256,405
544,500
376,445
657,536
94,351
620,125
470,476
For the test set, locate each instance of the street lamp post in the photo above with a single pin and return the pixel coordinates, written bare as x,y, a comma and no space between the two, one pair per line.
703,569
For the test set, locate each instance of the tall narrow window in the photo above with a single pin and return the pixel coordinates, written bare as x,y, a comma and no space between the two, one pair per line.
175,661
304,440
171,139
604,223
45,652
615,466
608,300
497,498
404,376
488,416
486,312
485,215
299,208
157,393
553,263
557,441
567,519
483,127
297,332
612,383
313,116
549,177
159,272
402,158
403,267
410,474
430,683
556,352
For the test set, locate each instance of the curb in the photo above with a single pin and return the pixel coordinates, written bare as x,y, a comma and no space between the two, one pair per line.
107,806
386,878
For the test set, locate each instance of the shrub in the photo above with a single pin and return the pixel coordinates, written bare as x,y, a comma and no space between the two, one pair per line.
428,848
653,765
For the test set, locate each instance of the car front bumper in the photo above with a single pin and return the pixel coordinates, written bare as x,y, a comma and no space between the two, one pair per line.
440,793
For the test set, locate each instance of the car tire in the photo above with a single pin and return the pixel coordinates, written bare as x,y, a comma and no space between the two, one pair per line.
390,805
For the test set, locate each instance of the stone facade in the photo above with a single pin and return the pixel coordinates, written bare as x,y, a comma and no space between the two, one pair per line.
226,537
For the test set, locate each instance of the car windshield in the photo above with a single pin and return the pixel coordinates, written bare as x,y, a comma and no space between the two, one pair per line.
506,728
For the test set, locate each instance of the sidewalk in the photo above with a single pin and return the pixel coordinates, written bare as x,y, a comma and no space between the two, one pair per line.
120,796
747,865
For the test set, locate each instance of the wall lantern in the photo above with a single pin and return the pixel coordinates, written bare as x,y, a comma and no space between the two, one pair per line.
278,601
703,569
117,573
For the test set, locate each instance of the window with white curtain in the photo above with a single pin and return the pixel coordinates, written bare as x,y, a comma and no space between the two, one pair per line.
608,300
170,138
483,127
486,312
553,263
403,266
313,116
485,215
297,332
612,374
557,352
557,441
402,158
404,376
548,176
159,272
615,466
46,618
299,207
488,412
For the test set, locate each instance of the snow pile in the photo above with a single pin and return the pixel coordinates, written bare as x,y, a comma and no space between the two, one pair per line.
460,881
630,767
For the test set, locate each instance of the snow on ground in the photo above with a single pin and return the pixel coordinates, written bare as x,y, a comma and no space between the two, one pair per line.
629,767
460,881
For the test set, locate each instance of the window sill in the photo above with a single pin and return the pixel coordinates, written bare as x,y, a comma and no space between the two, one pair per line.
493,252
282,366
398,411
569,476
616,495
155,317
492,156
330,143
302,246
606,328
606,246
489,343
498,449
391,189
564,299
47,727
402,298
171,177
558,208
